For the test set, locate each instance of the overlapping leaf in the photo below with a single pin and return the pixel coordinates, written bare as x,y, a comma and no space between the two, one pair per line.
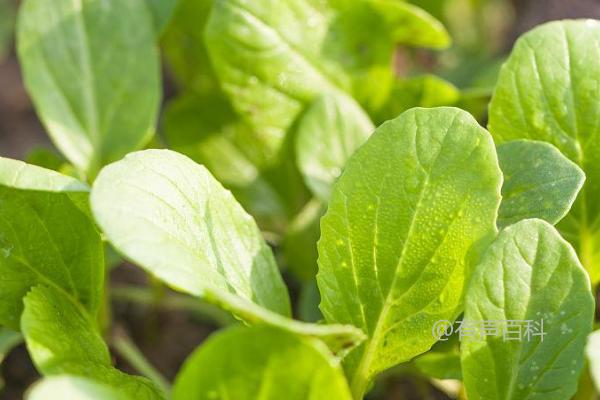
402,233
528,274
329,132
170,216
539,182
549,90
273,58
63,338
46,236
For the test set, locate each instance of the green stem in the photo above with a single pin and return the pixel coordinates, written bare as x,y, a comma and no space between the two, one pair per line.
130,353
146,297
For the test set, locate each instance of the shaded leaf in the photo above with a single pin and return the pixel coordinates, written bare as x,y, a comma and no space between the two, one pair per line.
261,363
329,132
539,182
206,129
419,91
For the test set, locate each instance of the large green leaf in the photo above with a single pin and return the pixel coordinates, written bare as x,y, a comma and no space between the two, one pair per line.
46,236
170,216
261,363
402,233
65,387
549,90
528,274
329,132
273,58
539,182
92,70
63,338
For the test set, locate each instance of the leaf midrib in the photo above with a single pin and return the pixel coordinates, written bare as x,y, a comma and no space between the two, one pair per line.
361,375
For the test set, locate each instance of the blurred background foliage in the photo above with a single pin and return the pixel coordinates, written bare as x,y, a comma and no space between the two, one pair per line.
199,120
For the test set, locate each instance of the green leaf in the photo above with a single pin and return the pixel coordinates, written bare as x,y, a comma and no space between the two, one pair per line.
261,363
549,90
63,338
329,132
411,25
418,91
539,182
171,217
73,387
46,236
92,70
183,47
402,233
161,11
592,350
273,58
528,274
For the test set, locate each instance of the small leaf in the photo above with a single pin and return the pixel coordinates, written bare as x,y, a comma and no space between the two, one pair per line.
411,25
63,338
419,91
329,132
528,274
92,70
46,236
403,231
539,182
549,90
73,387
260,363
171,217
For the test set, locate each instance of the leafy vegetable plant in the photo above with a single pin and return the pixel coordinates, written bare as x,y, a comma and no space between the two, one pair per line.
275,161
